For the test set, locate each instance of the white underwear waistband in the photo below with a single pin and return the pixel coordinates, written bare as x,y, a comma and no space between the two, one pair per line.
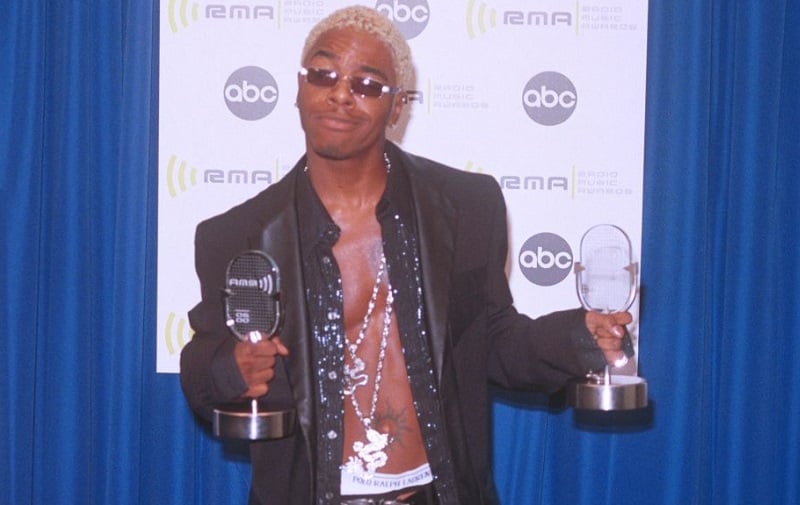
384,482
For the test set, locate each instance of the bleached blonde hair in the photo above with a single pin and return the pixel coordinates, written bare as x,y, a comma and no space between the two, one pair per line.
373,22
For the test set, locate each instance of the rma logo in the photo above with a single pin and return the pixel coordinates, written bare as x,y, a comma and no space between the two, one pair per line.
537,18
218,176
481,17
219,11
534,183
182,13
262,284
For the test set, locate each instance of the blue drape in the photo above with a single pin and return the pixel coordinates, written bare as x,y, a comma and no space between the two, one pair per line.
89,421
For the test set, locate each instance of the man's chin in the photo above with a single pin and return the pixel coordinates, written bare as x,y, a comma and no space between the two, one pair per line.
335,152
341,151
330,153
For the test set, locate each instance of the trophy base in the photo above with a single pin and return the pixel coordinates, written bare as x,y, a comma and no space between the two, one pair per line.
243,423
621,392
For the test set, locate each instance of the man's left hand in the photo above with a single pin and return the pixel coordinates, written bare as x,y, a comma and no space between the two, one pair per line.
608,330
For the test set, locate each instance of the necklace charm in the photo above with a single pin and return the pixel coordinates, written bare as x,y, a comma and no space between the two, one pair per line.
353,376
369,456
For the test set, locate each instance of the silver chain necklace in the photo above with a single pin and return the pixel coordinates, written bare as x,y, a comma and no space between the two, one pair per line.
370,455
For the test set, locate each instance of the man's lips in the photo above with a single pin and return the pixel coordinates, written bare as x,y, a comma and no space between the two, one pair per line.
336,122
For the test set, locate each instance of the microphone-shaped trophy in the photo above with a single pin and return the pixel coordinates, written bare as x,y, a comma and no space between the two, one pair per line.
606,280
252,312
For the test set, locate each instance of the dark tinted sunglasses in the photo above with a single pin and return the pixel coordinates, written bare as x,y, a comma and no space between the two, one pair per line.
361,86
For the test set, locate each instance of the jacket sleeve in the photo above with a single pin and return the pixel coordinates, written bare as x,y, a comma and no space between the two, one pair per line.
209,375
537,354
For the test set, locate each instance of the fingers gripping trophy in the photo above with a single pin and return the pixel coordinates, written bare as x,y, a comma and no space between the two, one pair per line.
606,281
252,312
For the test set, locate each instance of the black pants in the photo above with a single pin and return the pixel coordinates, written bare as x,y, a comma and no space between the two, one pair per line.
424,496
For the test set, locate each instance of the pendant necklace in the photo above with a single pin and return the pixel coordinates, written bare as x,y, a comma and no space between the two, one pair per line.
370,454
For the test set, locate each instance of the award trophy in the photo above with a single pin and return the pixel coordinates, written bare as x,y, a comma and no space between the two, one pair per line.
606,280
252,312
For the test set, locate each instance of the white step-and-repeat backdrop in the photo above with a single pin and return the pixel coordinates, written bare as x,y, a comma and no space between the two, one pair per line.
547,96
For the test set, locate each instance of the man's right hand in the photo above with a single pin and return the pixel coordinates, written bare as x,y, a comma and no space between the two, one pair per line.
256,362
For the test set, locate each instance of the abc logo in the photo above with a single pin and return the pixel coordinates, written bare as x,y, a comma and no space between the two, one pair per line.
410,16
545,259
549,98
251,93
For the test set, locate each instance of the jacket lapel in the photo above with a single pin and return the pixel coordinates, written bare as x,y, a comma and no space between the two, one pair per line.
278,237
435,218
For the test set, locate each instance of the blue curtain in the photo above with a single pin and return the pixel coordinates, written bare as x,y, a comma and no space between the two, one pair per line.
87,418
89,421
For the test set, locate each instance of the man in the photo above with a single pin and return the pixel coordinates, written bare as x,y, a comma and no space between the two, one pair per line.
397,309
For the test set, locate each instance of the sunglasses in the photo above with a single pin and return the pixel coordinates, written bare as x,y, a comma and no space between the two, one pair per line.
361,86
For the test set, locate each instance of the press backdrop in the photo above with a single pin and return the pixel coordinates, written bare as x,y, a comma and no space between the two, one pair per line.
545,96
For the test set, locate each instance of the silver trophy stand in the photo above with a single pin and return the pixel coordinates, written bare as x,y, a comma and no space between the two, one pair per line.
609,392
607,282
246,422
